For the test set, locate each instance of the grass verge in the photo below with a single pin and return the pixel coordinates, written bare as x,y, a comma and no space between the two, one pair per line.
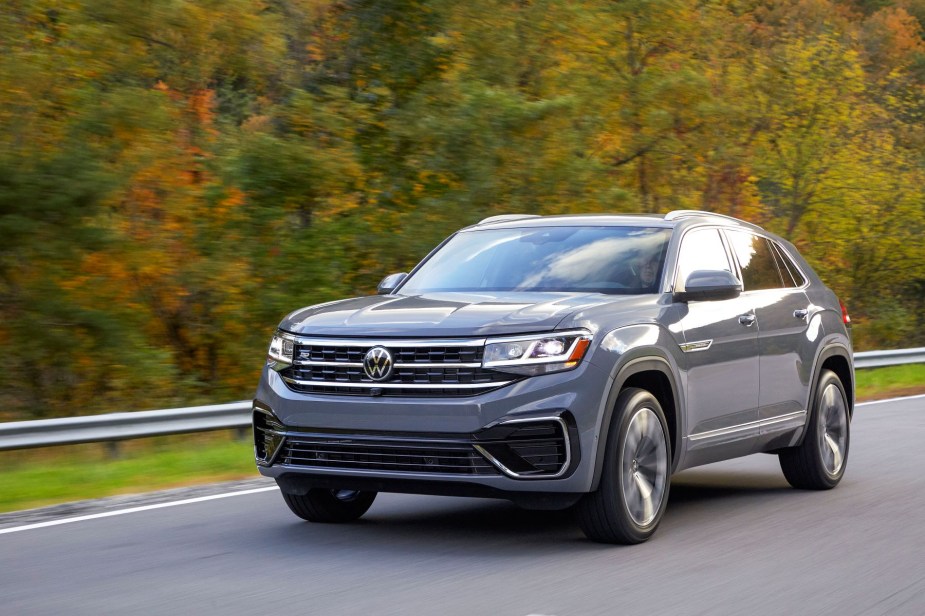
36,478
890,382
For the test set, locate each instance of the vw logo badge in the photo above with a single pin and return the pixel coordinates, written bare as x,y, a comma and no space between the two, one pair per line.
378,364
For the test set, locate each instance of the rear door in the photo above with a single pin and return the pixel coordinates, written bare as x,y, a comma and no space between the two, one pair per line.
774,289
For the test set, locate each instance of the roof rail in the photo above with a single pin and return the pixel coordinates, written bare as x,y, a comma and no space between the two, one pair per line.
679,214
506,217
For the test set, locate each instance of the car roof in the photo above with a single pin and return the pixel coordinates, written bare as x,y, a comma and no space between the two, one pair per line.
668,221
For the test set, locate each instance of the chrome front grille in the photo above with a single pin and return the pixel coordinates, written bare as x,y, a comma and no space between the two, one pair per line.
318,351
421,368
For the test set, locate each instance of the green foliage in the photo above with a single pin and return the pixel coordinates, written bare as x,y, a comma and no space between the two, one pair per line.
176,176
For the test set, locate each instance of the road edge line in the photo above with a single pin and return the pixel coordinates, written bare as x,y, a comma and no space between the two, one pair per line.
107,514
900,399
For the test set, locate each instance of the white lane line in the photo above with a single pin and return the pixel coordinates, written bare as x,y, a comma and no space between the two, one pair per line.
107,514
890,400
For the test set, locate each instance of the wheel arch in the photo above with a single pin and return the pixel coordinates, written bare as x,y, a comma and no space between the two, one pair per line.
654,374
837,358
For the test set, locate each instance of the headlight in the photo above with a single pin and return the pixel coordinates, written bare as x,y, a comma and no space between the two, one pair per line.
279,355
532,355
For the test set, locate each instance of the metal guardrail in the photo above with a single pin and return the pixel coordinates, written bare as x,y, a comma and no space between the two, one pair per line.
877,359
235,415
122,426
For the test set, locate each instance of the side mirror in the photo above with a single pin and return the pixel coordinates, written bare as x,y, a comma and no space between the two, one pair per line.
390,282
708,285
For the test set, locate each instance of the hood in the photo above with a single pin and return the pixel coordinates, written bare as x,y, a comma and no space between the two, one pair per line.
440,314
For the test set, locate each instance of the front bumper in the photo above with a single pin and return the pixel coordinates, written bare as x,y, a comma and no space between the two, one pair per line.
537,435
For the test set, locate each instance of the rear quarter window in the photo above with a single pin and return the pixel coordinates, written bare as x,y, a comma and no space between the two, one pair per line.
789,270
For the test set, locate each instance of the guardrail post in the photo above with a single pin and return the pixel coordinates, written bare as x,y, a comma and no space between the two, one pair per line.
113,450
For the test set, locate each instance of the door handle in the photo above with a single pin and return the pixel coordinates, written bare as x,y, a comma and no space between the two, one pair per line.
747,319
800,314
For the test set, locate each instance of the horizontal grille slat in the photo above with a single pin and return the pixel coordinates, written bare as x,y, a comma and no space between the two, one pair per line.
335,367
373,454
384,446
385,465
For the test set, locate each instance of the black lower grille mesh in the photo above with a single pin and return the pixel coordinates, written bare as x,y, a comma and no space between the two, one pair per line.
535,448
421,457
522,449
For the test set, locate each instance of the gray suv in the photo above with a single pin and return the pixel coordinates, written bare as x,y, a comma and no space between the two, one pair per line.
566,361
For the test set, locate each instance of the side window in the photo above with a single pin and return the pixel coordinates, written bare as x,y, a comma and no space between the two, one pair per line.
758,263
788,270
701,249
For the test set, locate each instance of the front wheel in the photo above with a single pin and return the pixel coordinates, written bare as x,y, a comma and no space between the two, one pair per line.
633,492
819,462
330,506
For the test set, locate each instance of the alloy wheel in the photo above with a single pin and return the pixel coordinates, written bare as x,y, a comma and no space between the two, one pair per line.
645,467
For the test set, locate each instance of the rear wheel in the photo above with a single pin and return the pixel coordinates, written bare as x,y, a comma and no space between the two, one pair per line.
330,506
819,462
629,503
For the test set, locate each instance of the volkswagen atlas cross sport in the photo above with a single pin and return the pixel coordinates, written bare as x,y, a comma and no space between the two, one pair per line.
558,362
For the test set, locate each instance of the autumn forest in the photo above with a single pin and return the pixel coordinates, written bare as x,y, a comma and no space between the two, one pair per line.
176,175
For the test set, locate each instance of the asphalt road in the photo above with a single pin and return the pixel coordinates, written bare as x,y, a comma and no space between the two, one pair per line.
735,540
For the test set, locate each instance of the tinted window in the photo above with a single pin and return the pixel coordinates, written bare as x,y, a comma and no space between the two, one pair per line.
788,270
620,260
701,249
758,263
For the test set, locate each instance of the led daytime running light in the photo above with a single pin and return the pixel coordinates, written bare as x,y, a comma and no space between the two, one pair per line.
540,354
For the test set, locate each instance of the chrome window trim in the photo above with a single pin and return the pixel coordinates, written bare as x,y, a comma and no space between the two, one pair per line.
674,284
512,474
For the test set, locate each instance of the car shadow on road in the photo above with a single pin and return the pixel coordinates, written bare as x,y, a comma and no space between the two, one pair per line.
695,486
484,527
466,525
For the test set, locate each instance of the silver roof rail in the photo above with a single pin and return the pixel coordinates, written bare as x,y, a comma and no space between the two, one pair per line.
679,214
506,217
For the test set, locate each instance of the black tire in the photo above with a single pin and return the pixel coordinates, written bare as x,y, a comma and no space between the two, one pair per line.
818,463
633,459
330,506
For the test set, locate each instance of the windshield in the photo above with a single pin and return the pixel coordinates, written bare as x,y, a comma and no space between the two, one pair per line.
617,260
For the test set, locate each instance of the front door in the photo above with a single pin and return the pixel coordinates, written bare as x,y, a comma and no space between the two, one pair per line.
720,350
